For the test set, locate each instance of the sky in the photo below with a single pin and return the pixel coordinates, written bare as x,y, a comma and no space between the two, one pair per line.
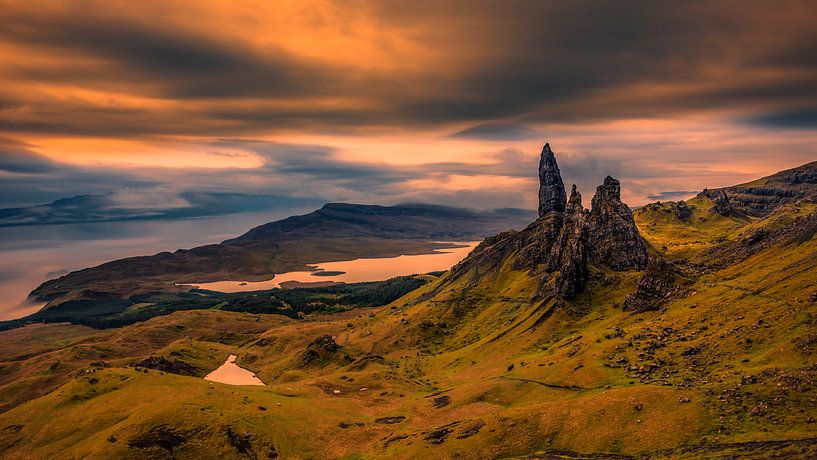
385,102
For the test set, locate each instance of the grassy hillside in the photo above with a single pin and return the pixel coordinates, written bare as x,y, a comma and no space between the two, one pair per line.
473,366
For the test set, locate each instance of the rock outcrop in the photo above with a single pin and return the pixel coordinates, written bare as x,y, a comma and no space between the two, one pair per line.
160,363
566,240
720,202
552,196
761,197
660,283
794,232
616,241
683,211
320,350
570,251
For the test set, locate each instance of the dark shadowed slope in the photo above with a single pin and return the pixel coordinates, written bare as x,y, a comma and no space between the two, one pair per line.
406,221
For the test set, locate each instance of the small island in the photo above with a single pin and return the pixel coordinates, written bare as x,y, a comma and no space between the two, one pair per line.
328,273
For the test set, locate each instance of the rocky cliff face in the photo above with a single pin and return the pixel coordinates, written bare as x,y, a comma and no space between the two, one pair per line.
567,239
616,241
569,256
761,197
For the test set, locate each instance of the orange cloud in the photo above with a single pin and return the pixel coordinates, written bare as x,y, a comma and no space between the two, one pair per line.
449,96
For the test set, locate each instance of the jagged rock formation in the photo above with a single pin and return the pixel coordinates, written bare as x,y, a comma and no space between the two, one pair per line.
683,211
160,363
570,251
528,249
616,241
566,239
660,283
551,189
720,202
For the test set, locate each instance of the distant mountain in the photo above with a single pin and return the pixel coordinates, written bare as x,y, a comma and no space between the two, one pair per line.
125,205
337,231
410,221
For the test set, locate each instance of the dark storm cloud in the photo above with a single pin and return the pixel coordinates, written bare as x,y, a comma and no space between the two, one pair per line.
318,164
184,64
182,74
498,131
289,169
17,157
28,178
562,57
795,119
568,61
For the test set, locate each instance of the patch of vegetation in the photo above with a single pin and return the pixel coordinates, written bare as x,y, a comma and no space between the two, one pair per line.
107,313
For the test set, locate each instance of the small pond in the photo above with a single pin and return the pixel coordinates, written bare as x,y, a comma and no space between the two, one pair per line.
231,374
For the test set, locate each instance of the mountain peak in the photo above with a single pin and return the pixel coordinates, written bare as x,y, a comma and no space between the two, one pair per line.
552,197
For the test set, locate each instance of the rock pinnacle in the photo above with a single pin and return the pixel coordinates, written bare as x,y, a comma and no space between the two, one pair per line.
552,197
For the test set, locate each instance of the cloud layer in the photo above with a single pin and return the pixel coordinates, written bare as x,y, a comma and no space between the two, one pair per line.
384,101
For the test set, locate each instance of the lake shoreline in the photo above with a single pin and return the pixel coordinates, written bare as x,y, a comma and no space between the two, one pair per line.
351,271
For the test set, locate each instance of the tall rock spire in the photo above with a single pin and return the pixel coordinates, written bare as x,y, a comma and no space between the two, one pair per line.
552,195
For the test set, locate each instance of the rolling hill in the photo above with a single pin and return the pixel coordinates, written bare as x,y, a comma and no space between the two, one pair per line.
125,205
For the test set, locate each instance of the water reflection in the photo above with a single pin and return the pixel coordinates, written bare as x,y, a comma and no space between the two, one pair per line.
353,271
30,255
231,374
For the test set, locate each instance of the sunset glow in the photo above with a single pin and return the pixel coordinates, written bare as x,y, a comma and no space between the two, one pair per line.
423,229
388,102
